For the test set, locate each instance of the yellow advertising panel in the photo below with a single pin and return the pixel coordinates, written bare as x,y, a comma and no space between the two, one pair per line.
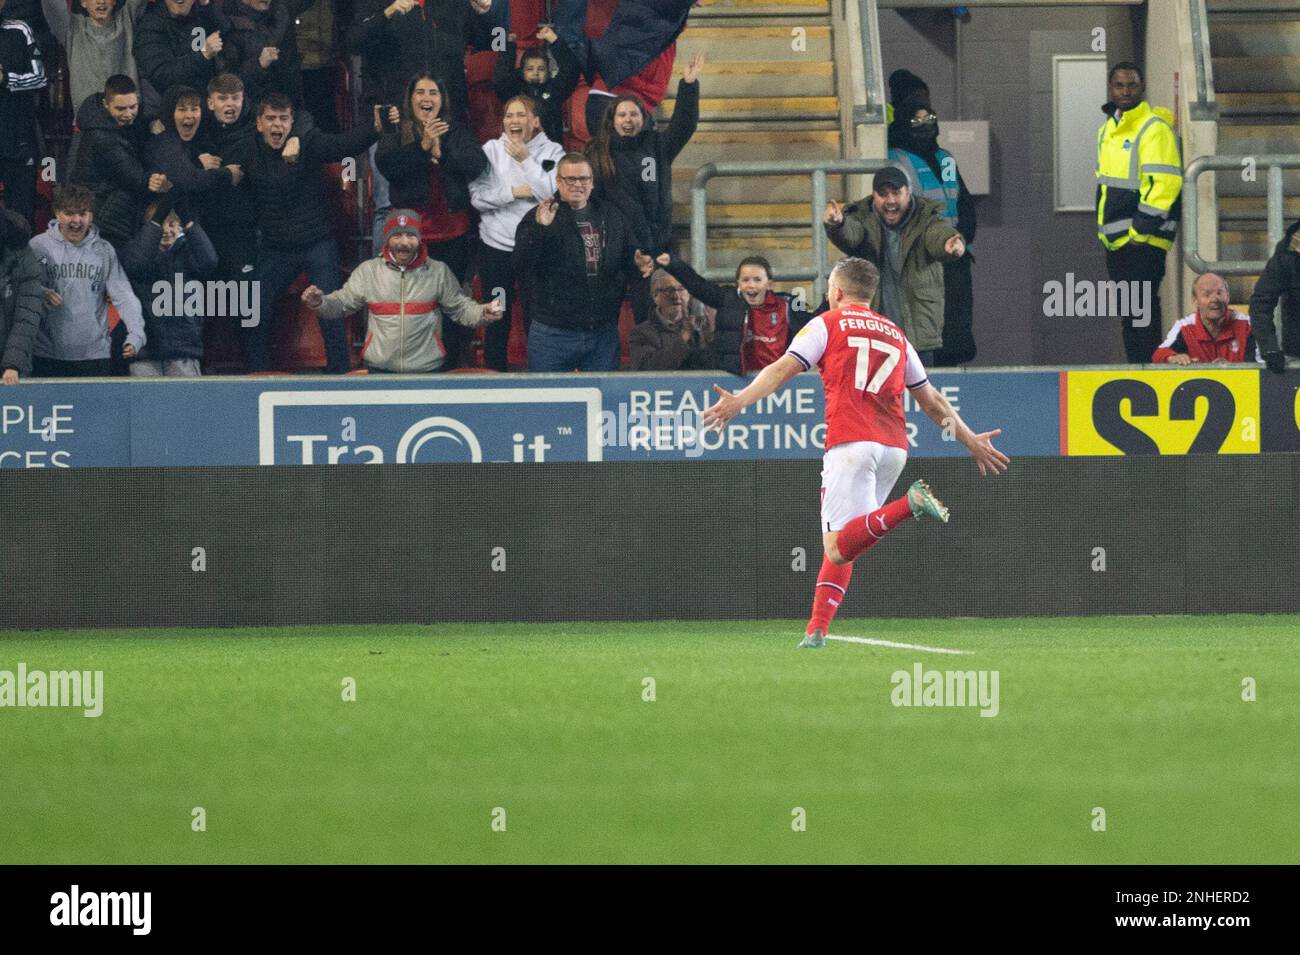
1179,411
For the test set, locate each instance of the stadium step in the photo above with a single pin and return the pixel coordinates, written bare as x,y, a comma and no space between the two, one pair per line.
1255,106
1244,244
776,189
756,108
1250,6
760,8
752,214
720,145
1233,36
1253,138
1256,73
775,40
1254,209
784,248
767,93
745,78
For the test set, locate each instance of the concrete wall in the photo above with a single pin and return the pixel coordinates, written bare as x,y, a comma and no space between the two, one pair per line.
1005,78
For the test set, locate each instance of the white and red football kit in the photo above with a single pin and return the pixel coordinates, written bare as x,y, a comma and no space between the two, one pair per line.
865,361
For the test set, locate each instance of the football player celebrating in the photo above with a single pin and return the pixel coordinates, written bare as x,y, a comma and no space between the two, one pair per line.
865,362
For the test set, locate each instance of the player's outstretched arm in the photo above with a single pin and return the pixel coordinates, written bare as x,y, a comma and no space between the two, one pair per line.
989,459
769,380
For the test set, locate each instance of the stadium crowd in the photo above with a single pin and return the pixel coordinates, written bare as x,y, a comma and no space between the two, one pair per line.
518,180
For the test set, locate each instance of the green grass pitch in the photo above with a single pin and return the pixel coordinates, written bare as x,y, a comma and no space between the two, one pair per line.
1142,717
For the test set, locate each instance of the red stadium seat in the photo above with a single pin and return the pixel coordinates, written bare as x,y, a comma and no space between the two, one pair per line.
485,110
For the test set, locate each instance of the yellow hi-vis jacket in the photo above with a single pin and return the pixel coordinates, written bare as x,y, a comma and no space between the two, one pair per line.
1139,178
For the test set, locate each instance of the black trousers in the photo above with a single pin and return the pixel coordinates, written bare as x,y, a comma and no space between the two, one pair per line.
1139,262
958,314
495,272
58,368
454,253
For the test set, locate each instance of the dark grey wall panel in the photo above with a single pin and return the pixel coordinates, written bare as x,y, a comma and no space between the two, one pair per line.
636,541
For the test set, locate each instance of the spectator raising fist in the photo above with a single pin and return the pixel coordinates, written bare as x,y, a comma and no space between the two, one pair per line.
834,214
644,264
312,297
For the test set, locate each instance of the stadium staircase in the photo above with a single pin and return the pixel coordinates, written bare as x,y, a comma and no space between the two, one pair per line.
761,99
1255,46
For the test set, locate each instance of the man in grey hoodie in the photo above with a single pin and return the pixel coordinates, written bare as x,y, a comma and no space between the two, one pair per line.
97,41
81,275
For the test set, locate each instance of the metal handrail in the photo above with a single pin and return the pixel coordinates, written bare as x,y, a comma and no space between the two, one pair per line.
1275,163
1204,106
818,168
873,110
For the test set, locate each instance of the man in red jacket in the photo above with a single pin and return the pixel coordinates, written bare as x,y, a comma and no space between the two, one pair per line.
1214,333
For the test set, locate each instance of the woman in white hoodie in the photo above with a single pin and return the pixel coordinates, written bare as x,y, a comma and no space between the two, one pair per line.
522,174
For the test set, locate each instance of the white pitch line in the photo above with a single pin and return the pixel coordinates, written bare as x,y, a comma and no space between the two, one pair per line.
899,646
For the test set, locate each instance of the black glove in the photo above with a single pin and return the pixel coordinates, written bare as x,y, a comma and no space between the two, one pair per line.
1275,361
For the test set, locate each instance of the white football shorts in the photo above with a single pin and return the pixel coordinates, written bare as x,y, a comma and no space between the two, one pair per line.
856,479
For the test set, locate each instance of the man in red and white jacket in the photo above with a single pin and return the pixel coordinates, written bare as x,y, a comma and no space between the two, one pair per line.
405,293
1214,333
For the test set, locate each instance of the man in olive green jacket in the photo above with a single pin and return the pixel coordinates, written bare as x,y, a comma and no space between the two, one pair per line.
908,238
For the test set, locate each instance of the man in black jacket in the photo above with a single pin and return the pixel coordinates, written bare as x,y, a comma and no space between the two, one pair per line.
1280,282
402,38
261,41
22,74
229,213
22,298
111,160
165,43
576,257
296,233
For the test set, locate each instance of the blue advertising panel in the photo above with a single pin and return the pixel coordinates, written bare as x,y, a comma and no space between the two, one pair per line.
510,418
65,426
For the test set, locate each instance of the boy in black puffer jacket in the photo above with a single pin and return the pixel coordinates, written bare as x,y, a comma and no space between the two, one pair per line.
159,261
111,162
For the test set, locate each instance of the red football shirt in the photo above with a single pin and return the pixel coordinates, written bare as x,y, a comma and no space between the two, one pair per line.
866,361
